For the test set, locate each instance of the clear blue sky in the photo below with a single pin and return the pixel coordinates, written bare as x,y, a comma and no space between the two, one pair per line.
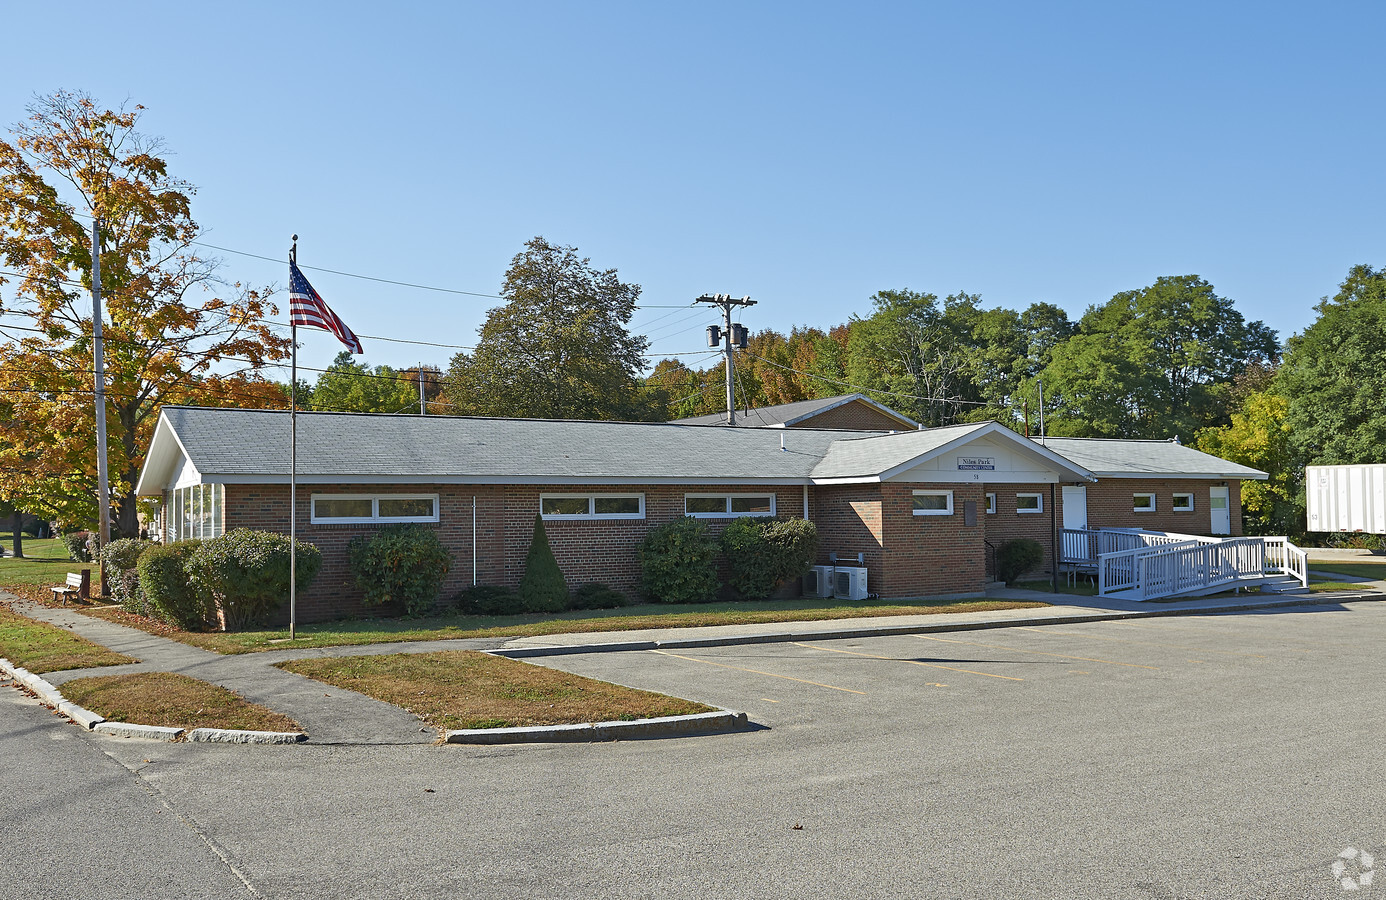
805,154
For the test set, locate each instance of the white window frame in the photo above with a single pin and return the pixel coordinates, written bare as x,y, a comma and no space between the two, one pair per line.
375,518
591,514
1039,505
726,506
946,511
1174,502
991,504
1143,509
188,504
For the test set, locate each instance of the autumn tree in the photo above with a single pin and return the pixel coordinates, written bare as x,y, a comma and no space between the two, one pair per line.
174,332
350,386
560,347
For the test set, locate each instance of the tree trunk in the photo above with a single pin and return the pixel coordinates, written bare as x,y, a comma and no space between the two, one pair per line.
18,520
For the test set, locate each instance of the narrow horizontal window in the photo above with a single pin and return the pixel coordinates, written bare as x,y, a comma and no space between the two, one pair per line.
1182,503
713,506
343,509
1029,503
592,506
1143,502
933,503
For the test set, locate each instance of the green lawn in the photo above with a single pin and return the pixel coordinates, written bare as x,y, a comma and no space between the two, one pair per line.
1373,570
40,647
45,562
659,615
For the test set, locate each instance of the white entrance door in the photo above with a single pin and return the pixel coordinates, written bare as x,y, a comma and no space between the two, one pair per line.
1218,509
1075,506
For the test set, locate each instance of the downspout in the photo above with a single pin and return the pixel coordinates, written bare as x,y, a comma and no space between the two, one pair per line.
806,511
1053,538
473,540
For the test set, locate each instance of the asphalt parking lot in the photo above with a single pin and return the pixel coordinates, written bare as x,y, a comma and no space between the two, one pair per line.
1208,756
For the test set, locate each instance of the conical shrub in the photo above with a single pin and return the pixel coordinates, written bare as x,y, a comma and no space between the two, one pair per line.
542,588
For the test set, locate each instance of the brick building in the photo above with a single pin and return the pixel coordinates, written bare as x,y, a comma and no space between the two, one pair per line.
919,506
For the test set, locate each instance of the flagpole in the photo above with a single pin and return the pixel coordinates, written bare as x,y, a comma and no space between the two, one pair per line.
293,462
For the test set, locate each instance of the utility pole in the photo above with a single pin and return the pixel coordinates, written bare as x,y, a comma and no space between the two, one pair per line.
422,411
728,336
103,487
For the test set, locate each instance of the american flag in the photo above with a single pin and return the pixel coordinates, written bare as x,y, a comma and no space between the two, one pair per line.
307,308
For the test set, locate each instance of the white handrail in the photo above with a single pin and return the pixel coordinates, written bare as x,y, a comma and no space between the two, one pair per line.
1175,564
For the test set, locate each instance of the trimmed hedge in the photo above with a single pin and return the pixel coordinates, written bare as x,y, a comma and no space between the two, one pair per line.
164,585
765,552
119,559
489,600
244,574
542,588
597,596
1015,558
405,562
678,562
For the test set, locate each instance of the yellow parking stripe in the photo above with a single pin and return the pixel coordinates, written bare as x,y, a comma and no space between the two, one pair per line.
1110,662
758,672
913,662
1093,637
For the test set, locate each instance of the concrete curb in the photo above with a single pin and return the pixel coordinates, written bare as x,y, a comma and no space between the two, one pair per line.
663,727
940,628
48,694
230,736
142,732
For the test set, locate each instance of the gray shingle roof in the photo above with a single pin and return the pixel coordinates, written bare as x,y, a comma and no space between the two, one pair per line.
256,442
789,413
1128,459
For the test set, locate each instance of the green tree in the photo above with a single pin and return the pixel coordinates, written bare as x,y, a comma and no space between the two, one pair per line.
1260,436
350,386
1334,375
559,348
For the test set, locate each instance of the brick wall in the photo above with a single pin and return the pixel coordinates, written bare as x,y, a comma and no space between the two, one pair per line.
854,416
930,554
1008,524
586,550
848,517
1110,505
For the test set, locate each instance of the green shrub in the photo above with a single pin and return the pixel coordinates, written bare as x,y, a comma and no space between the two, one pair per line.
489,600
244,574
678,563
165,587
118,560
542,589
763,553
405,563
78,546
597,596
1015,558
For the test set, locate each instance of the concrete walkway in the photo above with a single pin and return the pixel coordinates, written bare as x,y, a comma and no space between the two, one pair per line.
331,715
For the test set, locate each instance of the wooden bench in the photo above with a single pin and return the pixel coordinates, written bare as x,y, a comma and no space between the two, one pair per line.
76,584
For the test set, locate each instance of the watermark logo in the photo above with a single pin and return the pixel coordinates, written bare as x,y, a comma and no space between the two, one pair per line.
1353,869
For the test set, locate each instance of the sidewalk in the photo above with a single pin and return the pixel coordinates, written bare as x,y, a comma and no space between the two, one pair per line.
331,715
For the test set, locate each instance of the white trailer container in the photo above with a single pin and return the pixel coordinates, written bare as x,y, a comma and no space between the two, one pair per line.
1346,498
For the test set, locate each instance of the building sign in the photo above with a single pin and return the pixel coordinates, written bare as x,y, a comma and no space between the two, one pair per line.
976,462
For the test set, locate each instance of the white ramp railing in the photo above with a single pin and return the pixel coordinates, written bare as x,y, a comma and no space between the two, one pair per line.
1195,564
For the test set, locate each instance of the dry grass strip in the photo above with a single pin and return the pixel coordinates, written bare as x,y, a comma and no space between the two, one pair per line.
468,689
40,647
173,701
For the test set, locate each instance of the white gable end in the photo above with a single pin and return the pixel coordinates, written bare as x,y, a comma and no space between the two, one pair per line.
983,460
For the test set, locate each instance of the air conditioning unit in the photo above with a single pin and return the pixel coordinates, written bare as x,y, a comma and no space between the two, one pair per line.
818,582
849,583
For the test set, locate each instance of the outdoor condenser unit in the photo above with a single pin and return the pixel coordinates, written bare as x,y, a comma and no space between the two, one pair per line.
818,582
849,583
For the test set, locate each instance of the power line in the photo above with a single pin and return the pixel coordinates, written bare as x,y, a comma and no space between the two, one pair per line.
866,389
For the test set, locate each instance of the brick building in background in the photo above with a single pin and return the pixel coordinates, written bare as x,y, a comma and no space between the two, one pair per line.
920,507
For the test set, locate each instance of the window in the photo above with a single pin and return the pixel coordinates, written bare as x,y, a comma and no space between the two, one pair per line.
712,506
592,506
1143,502
991,504
933,503
342,509
1029,503
195,512
1182,503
